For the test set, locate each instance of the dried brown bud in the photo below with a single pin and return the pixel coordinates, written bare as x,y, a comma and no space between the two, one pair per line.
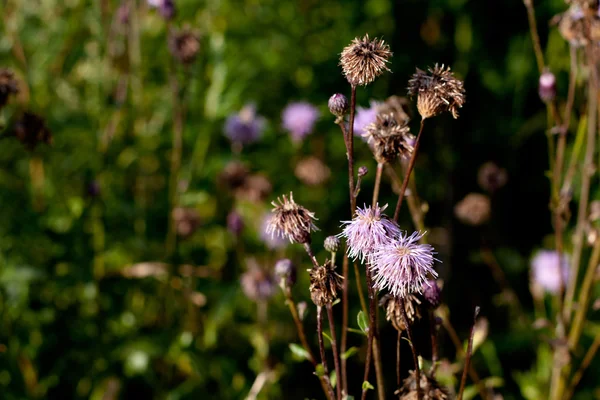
324,283
184,46
430,388
437,92
291,220
388,139
393,312
491,177
364,60
474,209
8,86
312,171
31,129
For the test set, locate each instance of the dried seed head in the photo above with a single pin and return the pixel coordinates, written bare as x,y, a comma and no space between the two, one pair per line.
491,177
584,4
474,209
389,139
31,129
547,86
432,294
286,271
437,92
572,27
8,86
291,220
184,46
312,171
398,106
393,310
332,244
430,388
338,105
324,283
257,283
364,60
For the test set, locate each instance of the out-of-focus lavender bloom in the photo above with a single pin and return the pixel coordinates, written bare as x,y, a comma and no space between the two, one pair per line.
402,265
547,86
365,117
368,231
245,127
299,119
286,271
545,270
166,8
235,223
273,242
257,284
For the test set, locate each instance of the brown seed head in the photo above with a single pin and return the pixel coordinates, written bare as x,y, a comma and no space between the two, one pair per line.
389,139
184,46
8,86
437,92
312,171
430,388
393,312
491,177
291,220
324,284
398,106
364,60
474,209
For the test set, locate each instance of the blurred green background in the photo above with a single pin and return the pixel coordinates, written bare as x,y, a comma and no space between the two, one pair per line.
95,304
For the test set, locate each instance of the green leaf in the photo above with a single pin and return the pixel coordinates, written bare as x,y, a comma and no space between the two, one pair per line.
335,302
319,370
327,337
367,385
356,331
299,351
363,323
333,379
349,353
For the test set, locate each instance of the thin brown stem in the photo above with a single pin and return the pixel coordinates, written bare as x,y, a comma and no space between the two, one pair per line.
412,347
377,183
411,164
416,212
535,38
336,356
370,334
434,347
585,363
343,378
361,295
398,343
463,380
311,255
322,350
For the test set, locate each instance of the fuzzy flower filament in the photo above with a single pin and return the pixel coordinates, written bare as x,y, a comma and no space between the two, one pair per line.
403,265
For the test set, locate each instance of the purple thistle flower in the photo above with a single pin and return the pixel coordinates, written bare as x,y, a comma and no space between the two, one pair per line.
545,270
299,119
272,242
402,266
365,117
369,230
244,127
166,8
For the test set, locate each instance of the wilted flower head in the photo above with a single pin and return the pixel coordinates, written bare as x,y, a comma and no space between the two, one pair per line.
312,171
364,59
369,230
272,242
403,265
572,27
257,283
430,388
546,272
184,45
31,129
474,209
389,139
393,310
291,220
491,177
286,271
437,92
332,244
338,105
244,127
324,283
364,117
299,119
547,86
8,86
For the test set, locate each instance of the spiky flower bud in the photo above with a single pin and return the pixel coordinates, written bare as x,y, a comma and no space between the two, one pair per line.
362,171
324,283
389,139
286,271
332,244
393,310
364,60
8,86
437,92
547,86
291,220
338,105
432,293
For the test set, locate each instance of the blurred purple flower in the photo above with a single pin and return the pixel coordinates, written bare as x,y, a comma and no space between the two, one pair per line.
368,231
545,270
166,8
273,242
364,117
299,119
256,282
244,127
402,265
235,223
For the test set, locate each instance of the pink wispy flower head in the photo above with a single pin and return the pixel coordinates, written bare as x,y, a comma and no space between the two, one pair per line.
545,270
368,231
402,266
